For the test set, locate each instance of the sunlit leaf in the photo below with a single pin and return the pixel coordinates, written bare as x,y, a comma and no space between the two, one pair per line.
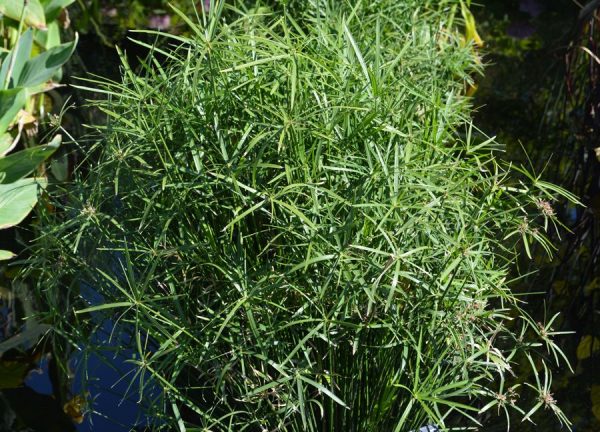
17,165
42,67
11,102
20,53
6,255
17,200
6,142
471,33
34,14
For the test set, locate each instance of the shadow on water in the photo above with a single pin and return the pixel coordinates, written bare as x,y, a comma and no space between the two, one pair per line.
106,378
108,369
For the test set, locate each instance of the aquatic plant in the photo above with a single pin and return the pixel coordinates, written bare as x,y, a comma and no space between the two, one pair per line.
31,58
290,216
23,77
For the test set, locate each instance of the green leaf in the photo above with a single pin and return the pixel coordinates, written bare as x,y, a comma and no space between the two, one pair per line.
17,200
22,163
52,8
34,14
60,167
321,388
41,68
49,38
6,255
6,141
11,101
21,53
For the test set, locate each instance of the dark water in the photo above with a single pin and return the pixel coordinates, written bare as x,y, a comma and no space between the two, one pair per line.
107,377
524,101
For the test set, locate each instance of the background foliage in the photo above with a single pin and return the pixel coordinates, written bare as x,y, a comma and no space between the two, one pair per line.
547,108
31,60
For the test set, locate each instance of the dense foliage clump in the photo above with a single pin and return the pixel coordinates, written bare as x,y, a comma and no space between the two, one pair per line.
290,215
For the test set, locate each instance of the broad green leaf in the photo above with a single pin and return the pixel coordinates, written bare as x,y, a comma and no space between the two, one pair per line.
52,8
6,255
49,38
11,101
60,167
6,141
42,67
42,88
6,56
22,163
17,200
21,53
34,14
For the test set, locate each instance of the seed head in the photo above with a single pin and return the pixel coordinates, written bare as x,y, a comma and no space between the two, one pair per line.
546,208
